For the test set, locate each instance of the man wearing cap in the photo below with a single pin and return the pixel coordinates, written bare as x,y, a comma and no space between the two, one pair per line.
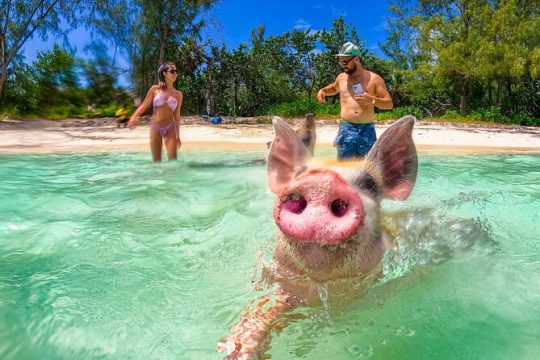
360,91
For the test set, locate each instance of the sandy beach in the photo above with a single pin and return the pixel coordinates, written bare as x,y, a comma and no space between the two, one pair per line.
76,135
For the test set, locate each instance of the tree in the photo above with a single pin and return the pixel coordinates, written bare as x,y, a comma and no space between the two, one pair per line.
332,40
100,74
459,47
154,32
56,79
506,54
20,20
293,53
21,95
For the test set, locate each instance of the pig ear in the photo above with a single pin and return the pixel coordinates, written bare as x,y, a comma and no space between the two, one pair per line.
394,154
307,133
287,156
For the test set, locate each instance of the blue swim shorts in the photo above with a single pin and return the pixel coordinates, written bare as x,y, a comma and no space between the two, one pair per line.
354,140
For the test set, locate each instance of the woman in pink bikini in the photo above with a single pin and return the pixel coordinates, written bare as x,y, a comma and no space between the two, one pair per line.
164,125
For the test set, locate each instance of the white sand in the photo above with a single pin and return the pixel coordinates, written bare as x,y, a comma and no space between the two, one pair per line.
428,138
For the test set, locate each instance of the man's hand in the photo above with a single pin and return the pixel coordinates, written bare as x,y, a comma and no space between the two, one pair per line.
321,97
131,123
364,99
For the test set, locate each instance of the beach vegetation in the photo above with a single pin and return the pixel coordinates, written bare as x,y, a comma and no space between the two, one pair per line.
457,60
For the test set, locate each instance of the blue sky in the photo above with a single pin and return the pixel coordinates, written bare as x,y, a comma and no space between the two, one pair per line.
236,18
239,17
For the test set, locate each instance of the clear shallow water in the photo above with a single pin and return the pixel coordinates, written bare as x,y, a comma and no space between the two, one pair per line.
110,256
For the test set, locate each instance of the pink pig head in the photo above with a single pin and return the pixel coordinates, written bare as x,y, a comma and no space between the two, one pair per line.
328,211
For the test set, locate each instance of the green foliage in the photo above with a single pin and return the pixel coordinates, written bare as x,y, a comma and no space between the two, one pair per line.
62,111
23,19
452,114
490,114
399,112
474,60
21,95
152,32
493,115
525,120
100,74
56,80
303,106
474,50
331,40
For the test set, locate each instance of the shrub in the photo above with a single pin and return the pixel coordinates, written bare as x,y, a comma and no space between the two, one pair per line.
400,112
525,120
452,114
491,113
301,107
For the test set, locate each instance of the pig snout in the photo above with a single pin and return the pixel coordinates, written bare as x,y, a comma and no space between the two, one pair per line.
319,207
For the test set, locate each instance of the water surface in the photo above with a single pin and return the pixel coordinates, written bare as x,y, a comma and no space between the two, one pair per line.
110,256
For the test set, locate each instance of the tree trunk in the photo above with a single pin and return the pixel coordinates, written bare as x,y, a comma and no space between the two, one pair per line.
161,52
3,77
209,92
508,84
311,86
490,93
235,105
499,91
463,96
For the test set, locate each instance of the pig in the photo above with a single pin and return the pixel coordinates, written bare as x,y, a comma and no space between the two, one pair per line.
330,234
307,134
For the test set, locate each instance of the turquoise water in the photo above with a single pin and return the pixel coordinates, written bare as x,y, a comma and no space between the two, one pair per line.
111,256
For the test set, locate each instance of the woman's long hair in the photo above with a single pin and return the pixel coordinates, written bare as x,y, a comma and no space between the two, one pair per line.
161,77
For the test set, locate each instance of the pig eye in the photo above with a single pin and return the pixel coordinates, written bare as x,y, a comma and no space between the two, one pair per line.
366,182
294,203
339,207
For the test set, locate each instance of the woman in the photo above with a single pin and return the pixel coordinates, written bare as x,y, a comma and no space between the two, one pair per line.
165,122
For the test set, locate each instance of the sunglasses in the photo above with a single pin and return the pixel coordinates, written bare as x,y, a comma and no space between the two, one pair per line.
344,63
173,71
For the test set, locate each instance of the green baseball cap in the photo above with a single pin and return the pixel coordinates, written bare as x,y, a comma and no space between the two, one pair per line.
349,49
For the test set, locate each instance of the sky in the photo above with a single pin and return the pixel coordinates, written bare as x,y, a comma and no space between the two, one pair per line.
232,22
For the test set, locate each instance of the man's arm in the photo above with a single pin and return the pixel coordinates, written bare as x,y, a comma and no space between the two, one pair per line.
382,98
328,90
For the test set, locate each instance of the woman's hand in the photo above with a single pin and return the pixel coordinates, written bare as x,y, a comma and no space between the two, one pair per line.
131,123
178,143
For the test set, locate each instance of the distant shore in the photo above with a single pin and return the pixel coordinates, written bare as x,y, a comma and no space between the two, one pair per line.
95,135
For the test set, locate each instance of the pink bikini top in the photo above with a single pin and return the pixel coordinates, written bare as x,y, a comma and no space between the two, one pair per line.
160,100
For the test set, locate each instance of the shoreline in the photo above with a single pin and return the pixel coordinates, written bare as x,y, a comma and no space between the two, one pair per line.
75,136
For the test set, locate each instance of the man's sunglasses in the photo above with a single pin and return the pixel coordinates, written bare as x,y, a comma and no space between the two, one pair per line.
173,71
344,63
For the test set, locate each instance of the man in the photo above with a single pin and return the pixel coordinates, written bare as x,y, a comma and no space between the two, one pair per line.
360,91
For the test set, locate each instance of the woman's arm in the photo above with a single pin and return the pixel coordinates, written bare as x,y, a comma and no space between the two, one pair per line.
142,107
180,98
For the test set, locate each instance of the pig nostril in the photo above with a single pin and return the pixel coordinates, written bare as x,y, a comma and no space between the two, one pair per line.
339,207
294,203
